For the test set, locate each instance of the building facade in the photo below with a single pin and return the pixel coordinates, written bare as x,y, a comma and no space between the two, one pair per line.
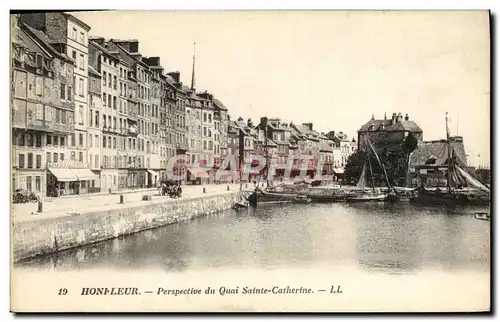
387,131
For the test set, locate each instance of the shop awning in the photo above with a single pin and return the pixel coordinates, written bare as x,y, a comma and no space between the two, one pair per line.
63,174
200,174
84,174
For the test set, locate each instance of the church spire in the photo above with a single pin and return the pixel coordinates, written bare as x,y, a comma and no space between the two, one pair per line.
193,82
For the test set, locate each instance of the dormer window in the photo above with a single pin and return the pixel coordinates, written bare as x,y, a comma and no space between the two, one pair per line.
431,160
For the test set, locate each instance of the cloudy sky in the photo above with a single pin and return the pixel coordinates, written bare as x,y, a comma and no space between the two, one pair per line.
334,69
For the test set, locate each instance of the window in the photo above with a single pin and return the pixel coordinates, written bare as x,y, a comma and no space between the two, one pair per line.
30,160
69,93
38,140
21,161
38,161
104,78
90,140
48,157
109,142
114,102
55,157
48,113
104,99
37,184
80,86
114,143
96,118
80,115
39,111
28,183
80,156
38,86
109,100
80,139
114,82
73,54
103,141
82,38
82,62
62,140
97,141
73,140
64,117
73,34
63,91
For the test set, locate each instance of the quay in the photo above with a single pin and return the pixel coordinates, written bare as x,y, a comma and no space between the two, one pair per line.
72,222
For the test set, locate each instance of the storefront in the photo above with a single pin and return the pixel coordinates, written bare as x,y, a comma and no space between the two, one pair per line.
152,178
136,178
69,181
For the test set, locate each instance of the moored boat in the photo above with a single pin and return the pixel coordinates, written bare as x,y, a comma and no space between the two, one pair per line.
302,199
326,194
482,216
461,187
266,196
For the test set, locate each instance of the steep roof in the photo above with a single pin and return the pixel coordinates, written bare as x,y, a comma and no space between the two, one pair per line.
44,40
439,150
219,104
386,125
325,147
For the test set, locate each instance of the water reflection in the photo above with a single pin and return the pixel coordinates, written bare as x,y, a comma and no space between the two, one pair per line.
392,238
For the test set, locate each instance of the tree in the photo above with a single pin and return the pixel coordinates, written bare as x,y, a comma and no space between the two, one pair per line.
393,155
354,166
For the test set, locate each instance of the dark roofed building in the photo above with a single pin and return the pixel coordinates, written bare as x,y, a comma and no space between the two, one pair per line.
436,152
395,129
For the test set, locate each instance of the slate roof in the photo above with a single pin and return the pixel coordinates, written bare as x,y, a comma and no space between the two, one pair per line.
325,147
386,125
439,150
219,104
46,41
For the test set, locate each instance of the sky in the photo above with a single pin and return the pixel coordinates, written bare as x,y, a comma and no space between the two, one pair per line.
332,68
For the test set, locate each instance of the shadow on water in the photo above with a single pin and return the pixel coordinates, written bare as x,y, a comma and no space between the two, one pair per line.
389,238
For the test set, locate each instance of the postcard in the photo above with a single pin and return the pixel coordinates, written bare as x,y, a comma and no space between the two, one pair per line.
250,161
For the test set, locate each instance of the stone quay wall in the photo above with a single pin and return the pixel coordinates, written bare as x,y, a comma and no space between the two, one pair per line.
47,235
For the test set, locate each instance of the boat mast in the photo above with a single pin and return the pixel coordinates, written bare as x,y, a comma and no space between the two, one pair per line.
448,144
370,165
267,153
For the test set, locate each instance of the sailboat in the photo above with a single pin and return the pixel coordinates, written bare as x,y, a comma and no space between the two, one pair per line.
406,192
269,194
362,193
461,187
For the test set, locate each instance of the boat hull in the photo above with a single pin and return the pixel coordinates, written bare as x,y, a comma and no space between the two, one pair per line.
367,198
449,199
274,197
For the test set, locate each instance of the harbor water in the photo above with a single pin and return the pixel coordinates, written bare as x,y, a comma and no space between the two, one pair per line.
383,257
387,238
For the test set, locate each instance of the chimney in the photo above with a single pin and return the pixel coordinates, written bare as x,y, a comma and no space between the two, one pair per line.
385,116
131,46
393,120
373,117
99,40
151,61
308,125
249,123
407,118
175,75
263,123
399,117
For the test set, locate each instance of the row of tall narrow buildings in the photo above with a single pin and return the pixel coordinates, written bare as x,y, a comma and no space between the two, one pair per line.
91,114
